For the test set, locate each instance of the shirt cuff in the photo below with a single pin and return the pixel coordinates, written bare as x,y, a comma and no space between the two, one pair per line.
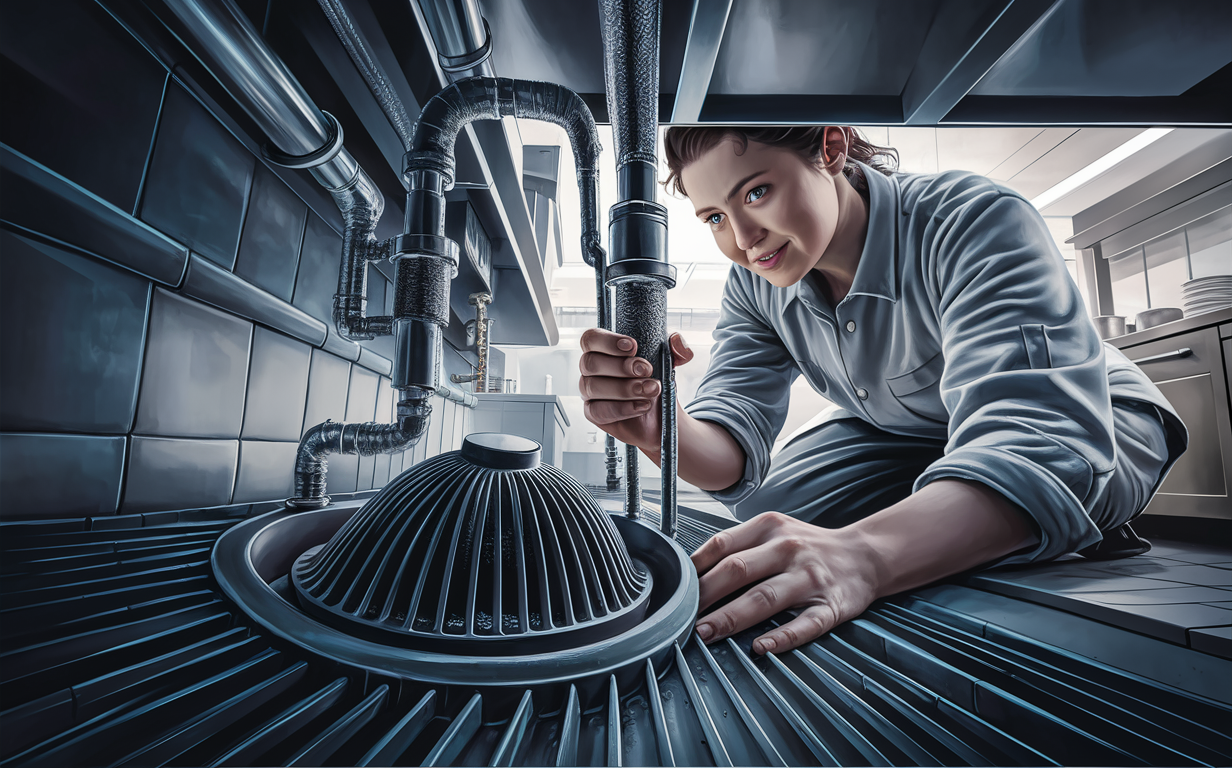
755,460
1061,522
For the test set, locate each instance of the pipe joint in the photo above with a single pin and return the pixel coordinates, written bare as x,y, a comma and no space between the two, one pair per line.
638,236
408,246
468,61
327,152
416,162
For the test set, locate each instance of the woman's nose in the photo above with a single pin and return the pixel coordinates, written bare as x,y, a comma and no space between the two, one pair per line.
747,233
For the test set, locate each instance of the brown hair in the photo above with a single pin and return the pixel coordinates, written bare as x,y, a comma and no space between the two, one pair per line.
683,145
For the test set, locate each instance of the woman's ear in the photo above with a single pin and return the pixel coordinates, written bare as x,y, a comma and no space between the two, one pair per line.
835,143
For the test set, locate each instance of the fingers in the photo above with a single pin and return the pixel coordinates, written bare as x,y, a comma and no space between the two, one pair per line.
747,535
599,364
738,570
611,388
604,412
766,599
608,343
681,353
812,623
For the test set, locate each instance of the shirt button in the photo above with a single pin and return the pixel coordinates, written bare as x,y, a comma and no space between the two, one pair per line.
851,326
862,393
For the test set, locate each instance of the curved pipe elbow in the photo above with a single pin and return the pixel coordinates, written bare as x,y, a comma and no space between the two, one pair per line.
366,439
490,98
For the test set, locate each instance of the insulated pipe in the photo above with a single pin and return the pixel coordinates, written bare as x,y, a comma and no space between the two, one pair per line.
464,45
303,137
363,59
638,224
424,256
490,98
366,439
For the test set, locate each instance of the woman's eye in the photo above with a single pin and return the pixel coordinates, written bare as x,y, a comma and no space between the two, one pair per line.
756,193
714,219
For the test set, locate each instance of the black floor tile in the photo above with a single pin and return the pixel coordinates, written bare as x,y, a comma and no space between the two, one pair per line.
1168,622
1199,575
1190,553
1213,640
1074,581
1169,596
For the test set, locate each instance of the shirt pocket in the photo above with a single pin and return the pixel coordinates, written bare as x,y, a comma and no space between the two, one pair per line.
919,390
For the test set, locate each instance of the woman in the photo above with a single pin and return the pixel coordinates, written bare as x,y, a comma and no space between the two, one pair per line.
980,416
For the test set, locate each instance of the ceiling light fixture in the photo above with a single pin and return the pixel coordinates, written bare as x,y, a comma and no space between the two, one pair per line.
1123,152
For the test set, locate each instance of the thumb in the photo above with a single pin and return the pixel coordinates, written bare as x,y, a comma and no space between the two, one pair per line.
681,353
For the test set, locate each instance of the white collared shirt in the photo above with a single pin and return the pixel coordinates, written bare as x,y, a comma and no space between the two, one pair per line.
962,324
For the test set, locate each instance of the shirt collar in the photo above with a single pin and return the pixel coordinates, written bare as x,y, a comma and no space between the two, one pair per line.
877,273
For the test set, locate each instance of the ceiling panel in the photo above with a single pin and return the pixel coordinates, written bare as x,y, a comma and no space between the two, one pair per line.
980,150
1075,153
820,47
1041,144
1165,152
558,41
1115,48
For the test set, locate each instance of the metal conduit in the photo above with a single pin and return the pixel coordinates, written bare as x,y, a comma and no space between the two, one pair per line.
639,271
303,137
233,51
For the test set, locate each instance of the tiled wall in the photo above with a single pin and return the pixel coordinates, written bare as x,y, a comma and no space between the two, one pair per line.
125,394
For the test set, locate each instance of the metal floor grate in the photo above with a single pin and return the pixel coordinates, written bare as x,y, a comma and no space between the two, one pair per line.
118,649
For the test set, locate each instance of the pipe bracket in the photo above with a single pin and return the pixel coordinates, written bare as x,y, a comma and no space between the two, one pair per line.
328,152
640,269
467,61
407,246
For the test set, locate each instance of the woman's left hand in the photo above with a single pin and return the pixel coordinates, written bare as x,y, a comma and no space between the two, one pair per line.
946,527
823,571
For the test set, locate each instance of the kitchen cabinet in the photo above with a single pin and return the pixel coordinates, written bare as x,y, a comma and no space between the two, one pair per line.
539,417
1189,361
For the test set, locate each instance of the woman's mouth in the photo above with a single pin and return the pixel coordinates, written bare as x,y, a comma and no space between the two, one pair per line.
770,261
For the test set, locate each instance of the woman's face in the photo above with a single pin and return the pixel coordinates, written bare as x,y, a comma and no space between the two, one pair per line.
771,211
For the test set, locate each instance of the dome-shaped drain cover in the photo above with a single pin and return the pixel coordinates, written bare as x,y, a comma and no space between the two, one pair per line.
480,552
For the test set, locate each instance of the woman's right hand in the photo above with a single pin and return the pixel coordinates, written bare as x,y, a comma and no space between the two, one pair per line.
621,397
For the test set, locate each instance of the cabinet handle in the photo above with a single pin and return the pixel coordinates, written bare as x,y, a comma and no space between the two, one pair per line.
1175,354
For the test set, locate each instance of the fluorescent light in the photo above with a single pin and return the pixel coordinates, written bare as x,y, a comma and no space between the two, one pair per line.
1137,143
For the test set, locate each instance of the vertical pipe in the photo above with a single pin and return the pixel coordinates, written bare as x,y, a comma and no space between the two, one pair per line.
638,270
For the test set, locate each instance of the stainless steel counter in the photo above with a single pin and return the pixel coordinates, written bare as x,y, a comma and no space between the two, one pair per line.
1190,360
1193,323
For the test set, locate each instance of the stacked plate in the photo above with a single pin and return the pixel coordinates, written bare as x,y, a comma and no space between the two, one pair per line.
1206,294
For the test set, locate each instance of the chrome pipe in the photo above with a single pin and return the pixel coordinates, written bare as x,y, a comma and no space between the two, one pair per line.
461,36
637,234
303,137
225,41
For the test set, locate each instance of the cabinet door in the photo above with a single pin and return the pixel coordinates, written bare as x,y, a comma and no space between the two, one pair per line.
524,419
1195,383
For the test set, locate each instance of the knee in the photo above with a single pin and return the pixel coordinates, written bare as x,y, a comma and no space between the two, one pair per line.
1143,458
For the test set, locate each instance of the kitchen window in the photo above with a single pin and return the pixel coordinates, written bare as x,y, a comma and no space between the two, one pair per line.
1152,274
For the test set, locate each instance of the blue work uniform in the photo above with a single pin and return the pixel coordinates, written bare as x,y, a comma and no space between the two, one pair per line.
963,350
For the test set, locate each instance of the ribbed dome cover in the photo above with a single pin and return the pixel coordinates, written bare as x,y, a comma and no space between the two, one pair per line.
485,547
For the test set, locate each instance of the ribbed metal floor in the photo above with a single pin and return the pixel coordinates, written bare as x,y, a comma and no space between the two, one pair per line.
118,649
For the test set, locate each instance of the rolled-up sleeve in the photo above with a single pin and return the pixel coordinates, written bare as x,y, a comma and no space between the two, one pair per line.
747,385
1025,381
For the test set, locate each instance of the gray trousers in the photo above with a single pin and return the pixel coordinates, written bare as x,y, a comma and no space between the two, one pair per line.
847,469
